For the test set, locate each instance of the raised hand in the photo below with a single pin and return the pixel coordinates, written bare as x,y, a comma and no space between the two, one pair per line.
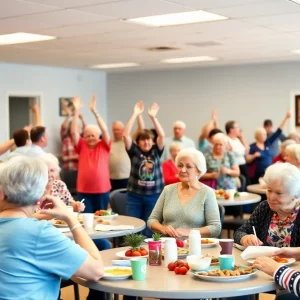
153,110
92,104
28,128
68,110
288,115
139,108
214,115
35,108
77,103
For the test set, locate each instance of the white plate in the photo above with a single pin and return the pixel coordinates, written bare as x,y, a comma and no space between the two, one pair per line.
109,276
121,254
220,198
180,256
59,225
108,217
214,243
222,279
290,261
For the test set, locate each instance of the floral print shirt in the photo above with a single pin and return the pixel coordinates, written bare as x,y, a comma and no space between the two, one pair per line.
279,235
60,190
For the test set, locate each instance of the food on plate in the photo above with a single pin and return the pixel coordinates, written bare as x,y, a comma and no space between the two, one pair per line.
180,251
118,272
228,273
214,261
206,241
60,222
103,212
280,260
220,193
134,241
179,267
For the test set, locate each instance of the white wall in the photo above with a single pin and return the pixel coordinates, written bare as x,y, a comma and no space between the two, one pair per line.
248,94
51,83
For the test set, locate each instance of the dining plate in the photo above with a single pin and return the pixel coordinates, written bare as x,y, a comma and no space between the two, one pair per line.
107,217
209,242
64,225
122,255
222,278
116,273
289,261
181,252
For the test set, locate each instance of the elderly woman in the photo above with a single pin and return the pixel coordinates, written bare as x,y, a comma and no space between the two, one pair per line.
145,181
292,155
93,183
34,255
170,171
189,203
260,155
281,157
276,220
221,164
56,187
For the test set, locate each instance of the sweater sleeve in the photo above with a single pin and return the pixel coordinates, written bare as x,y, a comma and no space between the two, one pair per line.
288,279
273,137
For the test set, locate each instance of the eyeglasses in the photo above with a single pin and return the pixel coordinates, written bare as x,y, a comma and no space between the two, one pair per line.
187,167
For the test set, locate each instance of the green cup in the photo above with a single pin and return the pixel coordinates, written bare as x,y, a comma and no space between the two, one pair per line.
226,262
139,267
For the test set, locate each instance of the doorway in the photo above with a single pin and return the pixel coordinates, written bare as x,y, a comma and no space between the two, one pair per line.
19,111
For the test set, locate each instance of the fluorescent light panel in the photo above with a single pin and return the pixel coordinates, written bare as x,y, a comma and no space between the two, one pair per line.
22,37
117,65
188,59
177,18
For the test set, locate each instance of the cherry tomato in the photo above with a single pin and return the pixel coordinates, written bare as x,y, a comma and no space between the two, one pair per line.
143,252
177,270
136,253
128,253
183,270
171,266
179,243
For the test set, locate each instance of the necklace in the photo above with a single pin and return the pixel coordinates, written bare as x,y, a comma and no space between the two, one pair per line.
279,222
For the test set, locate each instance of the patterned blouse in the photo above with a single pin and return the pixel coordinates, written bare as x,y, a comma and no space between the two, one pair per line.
60,190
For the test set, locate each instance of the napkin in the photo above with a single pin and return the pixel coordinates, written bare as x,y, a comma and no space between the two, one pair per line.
256,251
101,227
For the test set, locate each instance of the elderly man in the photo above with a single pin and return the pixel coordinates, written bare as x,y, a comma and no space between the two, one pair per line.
93,183
39,139
179,130
292,155
119,162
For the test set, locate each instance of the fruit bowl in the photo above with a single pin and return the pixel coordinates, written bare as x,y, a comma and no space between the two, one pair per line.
198,263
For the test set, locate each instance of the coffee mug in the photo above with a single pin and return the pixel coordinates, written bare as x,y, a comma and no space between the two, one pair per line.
226,246
226,262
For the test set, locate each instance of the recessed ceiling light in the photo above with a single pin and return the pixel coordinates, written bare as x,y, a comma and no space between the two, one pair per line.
177,18
188,59
23,37
296,51
111,66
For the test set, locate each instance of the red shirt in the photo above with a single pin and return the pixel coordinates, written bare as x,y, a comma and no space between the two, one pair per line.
93,171
170,172
278,158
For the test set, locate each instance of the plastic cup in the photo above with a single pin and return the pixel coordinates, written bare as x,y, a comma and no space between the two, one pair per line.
88,220
70,209
226,262
226,246
139,268
231,193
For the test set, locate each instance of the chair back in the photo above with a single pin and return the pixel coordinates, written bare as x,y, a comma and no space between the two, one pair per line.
118,200
69,177
222,215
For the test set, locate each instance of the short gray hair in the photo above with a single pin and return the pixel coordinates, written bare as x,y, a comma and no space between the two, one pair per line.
179,123
286,143
295,150
175,144
93,127
48,159
196,156
288,174
23,180
219,137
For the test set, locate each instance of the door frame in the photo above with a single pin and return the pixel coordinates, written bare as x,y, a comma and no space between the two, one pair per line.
37,95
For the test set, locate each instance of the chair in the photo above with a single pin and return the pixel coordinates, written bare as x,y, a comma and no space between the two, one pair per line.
65,283
69,177
118,199
222,214
233,224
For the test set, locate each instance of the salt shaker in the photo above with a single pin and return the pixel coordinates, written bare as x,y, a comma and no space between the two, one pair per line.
170,251
195,243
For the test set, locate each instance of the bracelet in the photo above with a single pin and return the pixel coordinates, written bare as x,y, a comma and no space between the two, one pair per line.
75,227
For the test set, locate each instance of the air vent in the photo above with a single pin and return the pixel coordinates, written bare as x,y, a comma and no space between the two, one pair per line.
205,44
161,49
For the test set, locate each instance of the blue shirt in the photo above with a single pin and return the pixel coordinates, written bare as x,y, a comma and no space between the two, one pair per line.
34,256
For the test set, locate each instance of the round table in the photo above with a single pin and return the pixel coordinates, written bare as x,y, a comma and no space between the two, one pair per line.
138,224
161,283
256,188
243,199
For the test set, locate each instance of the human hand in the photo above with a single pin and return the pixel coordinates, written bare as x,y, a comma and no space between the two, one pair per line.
153,110
68,110
54,207
138,108
77,103
214,115
92,104
289,252
170,230
266,264
250,240
35,108
225,170
288,115
214,175
183,231
28,128
78,206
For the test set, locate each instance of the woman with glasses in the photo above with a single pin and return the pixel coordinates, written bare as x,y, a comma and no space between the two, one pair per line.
188,204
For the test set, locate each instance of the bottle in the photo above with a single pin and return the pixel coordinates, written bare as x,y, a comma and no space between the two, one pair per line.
170,250
195,242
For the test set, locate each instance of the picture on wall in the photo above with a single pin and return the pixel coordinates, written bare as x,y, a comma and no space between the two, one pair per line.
65,104
297,110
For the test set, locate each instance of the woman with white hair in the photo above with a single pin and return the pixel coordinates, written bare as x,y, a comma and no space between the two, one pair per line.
260,155
221,164
34,254
276,220
292,155
281,157
188,204
169,169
